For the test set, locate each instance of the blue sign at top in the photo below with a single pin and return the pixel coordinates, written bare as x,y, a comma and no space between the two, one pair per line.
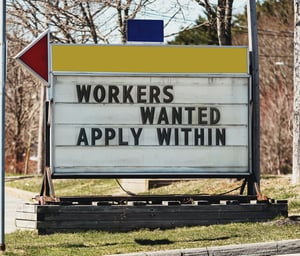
145,30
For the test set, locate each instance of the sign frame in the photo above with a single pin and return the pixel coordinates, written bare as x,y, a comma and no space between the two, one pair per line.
169,174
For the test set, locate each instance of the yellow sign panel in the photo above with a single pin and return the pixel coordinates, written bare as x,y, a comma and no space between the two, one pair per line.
149,59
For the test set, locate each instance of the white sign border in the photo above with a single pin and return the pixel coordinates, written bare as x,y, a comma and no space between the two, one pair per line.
183,172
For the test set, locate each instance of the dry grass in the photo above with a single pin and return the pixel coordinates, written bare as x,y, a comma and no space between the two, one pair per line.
275,187
103,243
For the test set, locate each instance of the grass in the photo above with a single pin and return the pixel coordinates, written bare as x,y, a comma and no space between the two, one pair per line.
105,243
69,187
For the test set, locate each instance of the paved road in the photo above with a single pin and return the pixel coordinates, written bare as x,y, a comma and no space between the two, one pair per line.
13,199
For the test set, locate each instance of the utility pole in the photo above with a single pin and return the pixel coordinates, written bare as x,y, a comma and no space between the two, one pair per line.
296,117
2,122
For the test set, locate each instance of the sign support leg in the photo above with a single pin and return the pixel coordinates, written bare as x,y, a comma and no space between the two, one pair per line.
254,68
47,193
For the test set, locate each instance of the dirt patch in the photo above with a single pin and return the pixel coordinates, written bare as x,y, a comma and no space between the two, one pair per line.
292,220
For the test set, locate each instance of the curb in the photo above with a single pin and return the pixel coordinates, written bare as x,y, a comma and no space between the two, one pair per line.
256,249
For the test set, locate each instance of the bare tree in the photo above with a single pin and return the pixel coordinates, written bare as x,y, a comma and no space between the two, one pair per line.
21,108
220,17
275,35
70,21
77,21
126,10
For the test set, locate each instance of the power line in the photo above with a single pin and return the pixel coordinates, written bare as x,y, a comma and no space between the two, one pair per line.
266,32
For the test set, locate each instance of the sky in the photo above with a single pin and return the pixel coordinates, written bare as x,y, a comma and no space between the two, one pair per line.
184,18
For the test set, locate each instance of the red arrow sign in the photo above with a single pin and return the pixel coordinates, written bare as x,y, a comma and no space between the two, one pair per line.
35,57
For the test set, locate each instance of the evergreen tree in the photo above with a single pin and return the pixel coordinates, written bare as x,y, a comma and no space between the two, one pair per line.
203,33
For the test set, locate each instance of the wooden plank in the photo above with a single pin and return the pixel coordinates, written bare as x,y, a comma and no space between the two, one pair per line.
124,225
26,224
45,209
187,218
61,218
118,225
159,198
27,207
26,216
159,213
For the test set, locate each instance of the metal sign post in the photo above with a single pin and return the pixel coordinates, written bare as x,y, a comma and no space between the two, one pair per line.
253,52
2,121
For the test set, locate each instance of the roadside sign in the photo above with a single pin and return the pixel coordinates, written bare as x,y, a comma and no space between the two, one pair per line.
149,111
